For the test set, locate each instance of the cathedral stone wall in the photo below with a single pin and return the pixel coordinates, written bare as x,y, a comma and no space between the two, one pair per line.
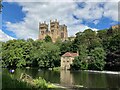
54,30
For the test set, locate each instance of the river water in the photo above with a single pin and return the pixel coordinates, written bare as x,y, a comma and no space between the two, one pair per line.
69,78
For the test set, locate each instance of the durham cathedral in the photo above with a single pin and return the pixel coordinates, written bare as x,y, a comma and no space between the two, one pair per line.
54,30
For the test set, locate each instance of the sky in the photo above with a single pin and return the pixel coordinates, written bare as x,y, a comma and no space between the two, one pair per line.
20,19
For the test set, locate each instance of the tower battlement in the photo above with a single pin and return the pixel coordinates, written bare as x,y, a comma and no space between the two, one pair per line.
55,30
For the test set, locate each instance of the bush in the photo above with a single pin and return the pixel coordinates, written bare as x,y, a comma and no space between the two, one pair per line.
8,82
40,83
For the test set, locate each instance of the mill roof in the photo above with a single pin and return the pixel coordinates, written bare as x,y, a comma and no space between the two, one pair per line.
70,54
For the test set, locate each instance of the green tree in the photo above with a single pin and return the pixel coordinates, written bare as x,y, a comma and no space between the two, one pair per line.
58,42
97,57
35,52
110,41
49,55
89,38
16,53
12,53
65,46
114,44
86,42
81,62
102,34
22,53
113,53
48,38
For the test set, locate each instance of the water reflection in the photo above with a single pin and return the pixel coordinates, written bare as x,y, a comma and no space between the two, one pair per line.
66,78
89,79
70,78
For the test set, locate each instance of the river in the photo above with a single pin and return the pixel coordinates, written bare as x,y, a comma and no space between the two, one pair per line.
86,79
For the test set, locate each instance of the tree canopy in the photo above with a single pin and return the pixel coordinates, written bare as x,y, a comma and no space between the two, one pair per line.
48,38
97,51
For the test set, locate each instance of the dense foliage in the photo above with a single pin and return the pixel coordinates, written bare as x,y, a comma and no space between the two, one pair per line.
91,52
21,53
48,39
97,51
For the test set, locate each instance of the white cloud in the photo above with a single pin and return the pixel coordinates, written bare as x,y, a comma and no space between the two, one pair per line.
5,37
44,11
60,0
91,11
79,28
111,10
96,22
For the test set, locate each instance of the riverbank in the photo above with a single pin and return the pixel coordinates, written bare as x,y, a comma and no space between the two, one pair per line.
25,81
9,82
58,69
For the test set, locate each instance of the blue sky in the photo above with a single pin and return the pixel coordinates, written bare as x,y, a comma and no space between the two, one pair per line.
11,12
20,20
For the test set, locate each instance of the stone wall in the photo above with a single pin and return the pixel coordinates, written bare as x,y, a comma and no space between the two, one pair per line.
66,62
55,31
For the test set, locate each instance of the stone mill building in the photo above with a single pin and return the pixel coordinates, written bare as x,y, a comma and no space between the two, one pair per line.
67,60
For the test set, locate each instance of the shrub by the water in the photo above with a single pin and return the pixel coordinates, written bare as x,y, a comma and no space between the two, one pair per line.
12,83
8,82
40,83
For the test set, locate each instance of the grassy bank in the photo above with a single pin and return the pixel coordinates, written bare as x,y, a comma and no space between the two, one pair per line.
38,83
56,69
8,82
